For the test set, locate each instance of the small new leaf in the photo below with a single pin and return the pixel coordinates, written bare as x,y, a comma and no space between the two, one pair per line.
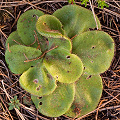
11,107
14,103
102,4
71,1
84,2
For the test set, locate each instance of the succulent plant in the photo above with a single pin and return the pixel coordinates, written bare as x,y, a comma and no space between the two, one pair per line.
60,59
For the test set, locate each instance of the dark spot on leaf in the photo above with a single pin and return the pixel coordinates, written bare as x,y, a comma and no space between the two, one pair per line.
93,47
57,82
35,81
49,76
38,88
40,103
89,77
35,16
68,71
84,68
39,97
91,61
47,58
77,108
68,57
44,23
31,66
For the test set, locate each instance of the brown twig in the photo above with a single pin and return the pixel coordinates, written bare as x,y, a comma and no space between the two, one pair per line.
116,27
93,14
16,19
36,37
32,112
6,108
3,33
41,55
9,48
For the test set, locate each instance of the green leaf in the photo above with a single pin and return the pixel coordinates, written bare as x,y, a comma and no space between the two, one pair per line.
76,19
38,81
57,103
49,26
13,39
102,4
17,106
88,91
84,2
17,101
61,43
15,97
11,107
71,1
26,27
10,103
96,50
16,57
63,66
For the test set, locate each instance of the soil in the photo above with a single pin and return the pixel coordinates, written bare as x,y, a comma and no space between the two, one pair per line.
109,106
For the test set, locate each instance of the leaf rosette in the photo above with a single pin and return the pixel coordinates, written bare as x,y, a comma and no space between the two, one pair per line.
60,59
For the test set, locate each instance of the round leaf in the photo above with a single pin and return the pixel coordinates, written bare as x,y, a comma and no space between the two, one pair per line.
16,56
57,103
49,26
26,27
13,39
96,50
75,19
63,66
88,91
38,81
